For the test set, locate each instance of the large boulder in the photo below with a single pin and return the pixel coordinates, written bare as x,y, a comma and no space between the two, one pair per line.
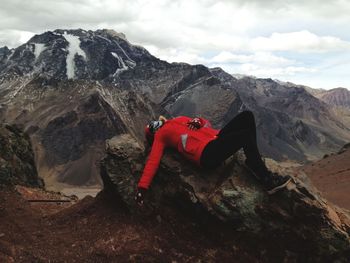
295,224
17,158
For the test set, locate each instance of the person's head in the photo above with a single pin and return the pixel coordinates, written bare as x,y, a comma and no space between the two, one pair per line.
152,127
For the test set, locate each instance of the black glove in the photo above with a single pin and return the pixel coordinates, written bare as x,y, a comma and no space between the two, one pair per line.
194,124
140,196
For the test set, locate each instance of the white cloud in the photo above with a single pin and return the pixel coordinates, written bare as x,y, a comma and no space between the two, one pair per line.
262,58
273,72
13,38
260,64
335,9
302,41
177,55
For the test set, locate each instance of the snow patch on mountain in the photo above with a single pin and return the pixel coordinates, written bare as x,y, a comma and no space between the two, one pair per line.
38,48
122,66
11,54
130,61
106,39
73,49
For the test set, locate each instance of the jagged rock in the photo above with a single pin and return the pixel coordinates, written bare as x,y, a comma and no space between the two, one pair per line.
17,159
292,225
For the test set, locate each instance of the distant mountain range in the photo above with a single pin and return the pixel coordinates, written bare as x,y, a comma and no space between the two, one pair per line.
339,101
339,97
73,89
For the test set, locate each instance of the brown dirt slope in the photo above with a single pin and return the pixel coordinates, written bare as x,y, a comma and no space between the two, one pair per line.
331,176
99,230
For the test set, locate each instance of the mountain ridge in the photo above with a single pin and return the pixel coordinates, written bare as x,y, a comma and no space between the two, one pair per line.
338,97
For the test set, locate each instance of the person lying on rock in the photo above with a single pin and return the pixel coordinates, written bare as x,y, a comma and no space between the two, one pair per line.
197,141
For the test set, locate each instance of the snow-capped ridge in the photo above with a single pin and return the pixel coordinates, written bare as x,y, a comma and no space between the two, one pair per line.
64,54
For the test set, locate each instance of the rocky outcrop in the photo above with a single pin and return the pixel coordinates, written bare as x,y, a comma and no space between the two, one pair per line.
17,159
294,225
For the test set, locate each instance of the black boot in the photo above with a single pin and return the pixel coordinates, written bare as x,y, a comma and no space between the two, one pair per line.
273,182
258,169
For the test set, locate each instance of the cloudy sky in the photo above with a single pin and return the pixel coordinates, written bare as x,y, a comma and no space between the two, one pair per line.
305,42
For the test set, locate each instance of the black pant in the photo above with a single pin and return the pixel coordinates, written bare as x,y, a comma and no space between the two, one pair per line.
239,133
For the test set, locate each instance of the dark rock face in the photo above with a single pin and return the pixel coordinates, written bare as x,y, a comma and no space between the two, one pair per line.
66,138
17,159
205,96
4,53
293,225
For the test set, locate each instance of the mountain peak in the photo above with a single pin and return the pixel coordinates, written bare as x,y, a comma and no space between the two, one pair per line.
339,89
113,33
81,33
73,54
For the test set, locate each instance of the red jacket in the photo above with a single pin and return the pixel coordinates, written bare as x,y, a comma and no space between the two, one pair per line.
176,134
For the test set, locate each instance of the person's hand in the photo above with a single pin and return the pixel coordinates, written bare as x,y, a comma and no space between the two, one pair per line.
162,118
140,196
194,124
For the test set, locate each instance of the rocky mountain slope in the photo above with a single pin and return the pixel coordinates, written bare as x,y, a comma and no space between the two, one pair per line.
339,100
17,159
73,89
331,176
339,97
289,118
